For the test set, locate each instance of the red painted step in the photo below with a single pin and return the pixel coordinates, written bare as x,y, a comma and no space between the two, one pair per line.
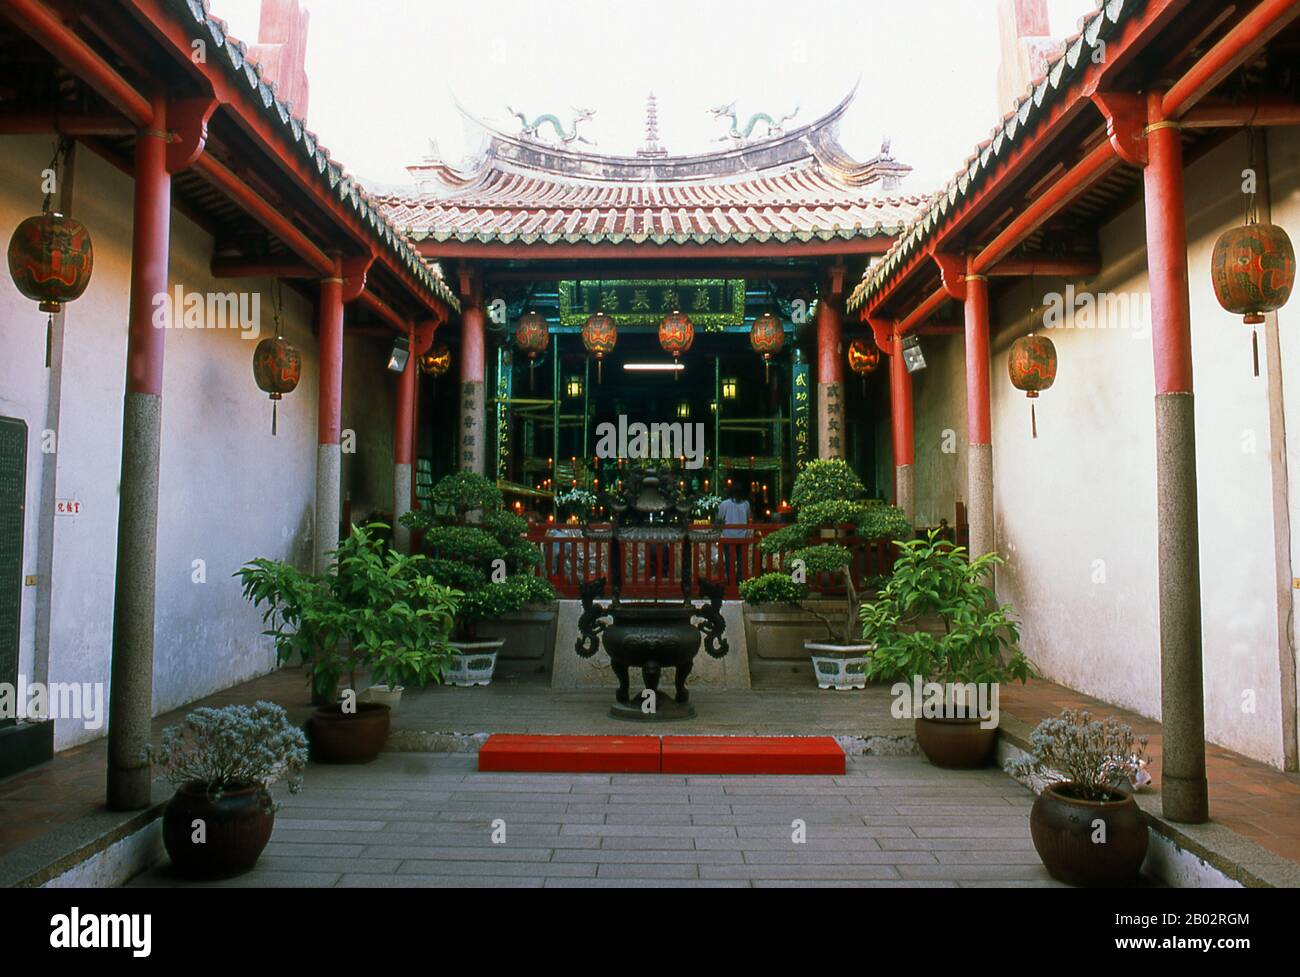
569,754
752,754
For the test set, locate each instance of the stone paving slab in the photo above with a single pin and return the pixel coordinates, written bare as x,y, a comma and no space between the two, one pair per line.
410,820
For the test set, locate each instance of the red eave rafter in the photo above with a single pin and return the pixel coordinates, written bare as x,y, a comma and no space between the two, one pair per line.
165,25
1075,100
668,252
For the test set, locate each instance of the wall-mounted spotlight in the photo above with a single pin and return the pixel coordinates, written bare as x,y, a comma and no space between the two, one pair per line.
913,358
400,354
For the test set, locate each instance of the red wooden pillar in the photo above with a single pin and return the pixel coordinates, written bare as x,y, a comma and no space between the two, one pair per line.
830,381
329,416
979,429
403,441
900,413
131,695
1184,793
470,435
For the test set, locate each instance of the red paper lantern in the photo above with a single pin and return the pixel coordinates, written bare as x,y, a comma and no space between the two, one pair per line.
532,335
277,367
51,259
437,361
864,356
767,337
599,334
1032,368
676,333
1253,270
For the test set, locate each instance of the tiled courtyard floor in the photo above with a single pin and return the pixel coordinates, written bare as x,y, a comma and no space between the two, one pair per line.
1250,798
419,819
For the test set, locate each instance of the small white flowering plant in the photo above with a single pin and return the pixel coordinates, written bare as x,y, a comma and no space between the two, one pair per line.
232,748
705,506
1092,759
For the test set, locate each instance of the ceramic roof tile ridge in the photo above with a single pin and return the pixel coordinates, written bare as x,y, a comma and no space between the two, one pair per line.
1096,26
242,68
795,179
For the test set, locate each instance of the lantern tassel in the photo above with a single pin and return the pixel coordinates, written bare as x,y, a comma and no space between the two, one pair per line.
1254,349
600,371
1033,420
274,407
49,342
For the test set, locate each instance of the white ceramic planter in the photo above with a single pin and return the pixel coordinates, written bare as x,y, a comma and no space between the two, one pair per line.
385,695
473,662
839,666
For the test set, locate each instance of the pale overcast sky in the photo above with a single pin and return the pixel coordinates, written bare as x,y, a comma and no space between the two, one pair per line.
383,73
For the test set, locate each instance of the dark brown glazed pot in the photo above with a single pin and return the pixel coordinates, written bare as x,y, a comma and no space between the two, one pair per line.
956,743
1063,827
236,826
348,737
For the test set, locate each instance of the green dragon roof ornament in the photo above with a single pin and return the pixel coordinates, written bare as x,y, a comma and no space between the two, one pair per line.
741,136
532,130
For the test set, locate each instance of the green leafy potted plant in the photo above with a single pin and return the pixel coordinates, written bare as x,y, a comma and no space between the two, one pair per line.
481,549
1086,826
373,606
829,507
937,623
221,762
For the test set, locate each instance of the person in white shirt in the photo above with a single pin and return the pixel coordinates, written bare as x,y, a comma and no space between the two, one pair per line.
734,513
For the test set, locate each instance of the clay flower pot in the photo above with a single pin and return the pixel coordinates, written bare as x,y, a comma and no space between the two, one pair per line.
217,836
1068,834
959,744
348,737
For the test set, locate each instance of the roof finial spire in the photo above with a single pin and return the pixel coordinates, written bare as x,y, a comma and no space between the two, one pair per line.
651,147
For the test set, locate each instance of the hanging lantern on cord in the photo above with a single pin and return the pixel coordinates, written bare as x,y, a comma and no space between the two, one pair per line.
599,334
277,367
767,337
436,361
1253,266
51,259
676,335
532,336
1032,367
864,357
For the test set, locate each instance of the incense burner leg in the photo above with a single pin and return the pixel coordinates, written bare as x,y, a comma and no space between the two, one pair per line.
621,672
683,673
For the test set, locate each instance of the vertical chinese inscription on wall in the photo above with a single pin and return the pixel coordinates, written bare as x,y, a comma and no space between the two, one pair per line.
830,409
471,426
505,374
800,411
13,485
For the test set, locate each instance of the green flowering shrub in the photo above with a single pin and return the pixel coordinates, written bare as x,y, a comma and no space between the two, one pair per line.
933,579
232,748
480,548
826,480
772,588
830,558
827,496
373,608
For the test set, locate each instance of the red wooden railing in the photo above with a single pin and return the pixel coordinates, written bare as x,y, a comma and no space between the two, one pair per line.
655,569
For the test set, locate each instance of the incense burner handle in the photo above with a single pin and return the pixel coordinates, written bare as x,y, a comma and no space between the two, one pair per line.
709,622
594,619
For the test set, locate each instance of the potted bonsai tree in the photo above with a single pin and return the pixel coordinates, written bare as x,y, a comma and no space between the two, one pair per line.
482,550
937,622
1086,826
374,607
829,506
221,762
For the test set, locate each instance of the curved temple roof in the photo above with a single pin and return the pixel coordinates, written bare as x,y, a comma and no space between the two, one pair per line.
797,185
